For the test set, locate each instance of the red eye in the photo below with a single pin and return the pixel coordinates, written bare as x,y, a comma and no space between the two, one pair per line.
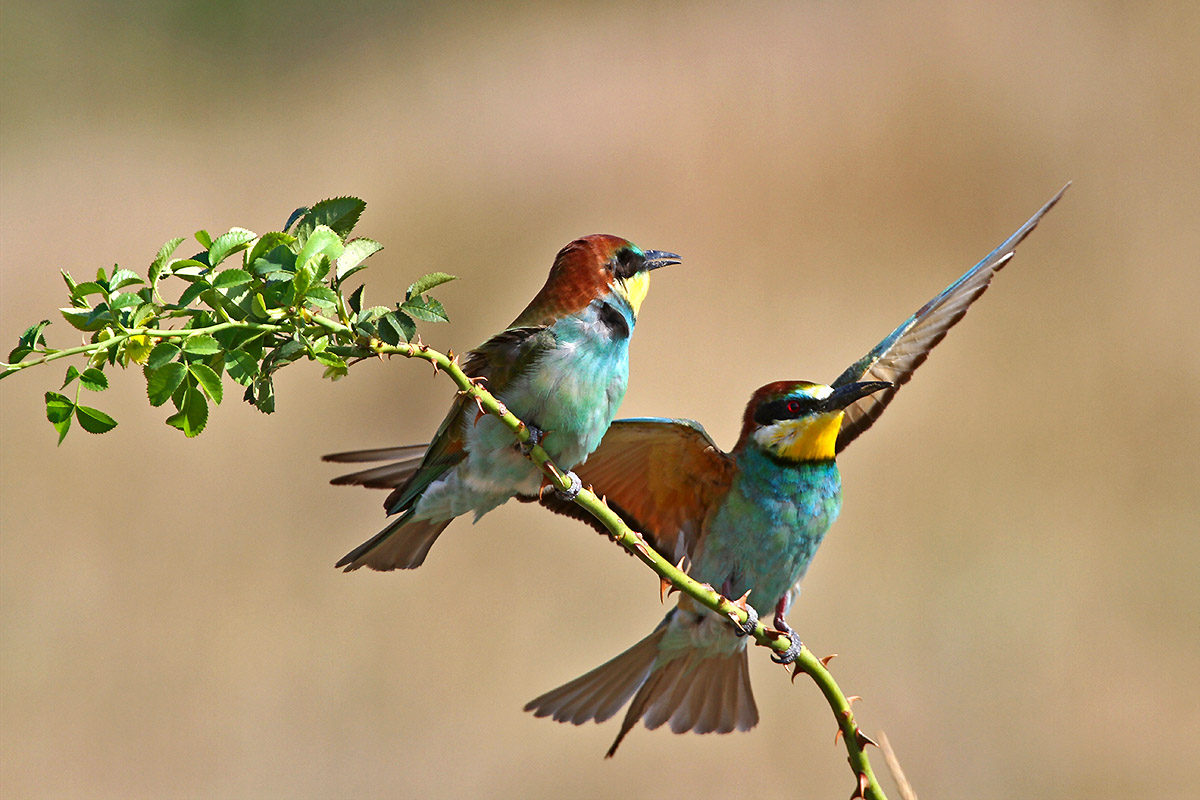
793,406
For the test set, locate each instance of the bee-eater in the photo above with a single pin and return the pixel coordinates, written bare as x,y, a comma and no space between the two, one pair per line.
747,521
561,367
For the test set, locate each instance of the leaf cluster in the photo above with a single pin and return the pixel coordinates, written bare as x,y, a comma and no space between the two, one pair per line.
237,318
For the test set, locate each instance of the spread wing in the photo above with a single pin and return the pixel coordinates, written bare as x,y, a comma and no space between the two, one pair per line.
897,357
660,475
414,467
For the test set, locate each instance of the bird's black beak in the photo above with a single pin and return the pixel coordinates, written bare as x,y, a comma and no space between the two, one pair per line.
845,395
660,258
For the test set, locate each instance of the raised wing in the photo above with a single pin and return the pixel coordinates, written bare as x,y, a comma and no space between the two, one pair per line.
660,475
897,357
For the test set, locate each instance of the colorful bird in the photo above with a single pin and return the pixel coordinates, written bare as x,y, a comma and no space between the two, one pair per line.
747,521
561,367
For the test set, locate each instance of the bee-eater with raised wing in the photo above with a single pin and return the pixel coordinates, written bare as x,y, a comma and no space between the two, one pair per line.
747,521
561,367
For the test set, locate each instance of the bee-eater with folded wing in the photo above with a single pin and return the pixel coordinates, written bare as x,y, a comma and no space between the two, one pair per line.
749,520
561,367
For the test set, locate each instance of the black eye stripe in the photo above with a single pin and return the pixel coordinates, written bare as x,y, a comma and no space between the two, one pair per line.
785,408
627,263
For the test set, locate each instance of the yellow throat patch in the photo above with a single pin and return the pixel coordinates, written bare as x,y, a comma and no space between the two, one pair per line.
804,439
634,288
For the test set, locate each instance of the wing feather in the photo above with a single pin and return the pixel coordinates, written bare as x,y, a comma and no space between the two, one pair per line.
906,348
660,475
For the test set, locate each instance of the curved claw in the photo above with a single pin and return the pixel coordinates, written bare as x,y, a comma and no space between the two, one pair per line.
747,628
792,652
573,492
535,438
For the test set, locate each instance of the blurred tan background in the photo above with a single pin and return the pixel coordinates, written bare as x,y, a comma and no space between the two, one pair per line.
1012,585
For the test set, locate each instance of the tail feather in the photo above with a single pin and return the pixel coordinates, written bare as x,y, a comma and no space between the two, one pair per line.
694,691
388,476
401,545
599,694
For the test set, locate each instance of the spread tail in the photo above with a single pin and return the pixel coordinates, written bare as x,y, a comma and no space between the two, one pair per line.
693,691
401,545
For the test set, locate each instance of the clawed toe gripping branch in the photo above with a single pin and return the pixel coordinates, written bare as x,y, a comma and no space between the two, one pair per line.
284,302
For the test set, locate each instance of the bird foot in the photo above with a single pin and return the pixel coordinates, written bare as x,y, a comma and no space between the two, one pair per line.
793,650
747,628
535,438
573,492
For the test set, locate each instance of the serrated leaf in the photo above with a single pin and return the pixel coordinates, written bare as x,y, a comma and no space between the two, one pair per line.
201,345
329,359
123,277
268,242
192,415
93,380
164,253
425,309
321,296
71,285
352,257
227,279
80,318
338,213
241,366
138,348
191,293
426,282
188,268
395,326
208,380
86,288
161,354
123,300
355,302
162,382
93,420
58,411
322,241
31,338
203,237
72,374
262,395
228,243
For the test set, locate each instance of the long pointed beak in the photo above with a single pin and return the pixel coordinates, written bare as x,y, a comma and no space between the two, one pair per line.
845,395
660,258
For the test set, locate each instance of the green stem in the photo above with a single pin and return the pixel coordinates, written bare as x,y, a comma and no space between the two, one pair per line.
868,787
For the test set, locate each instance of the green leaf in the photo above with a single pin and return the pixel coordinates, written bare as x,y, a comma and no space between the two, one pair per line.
93,420
426,282
355,302
201,345
228,243
123,277
160,260
322,296
86,288
80,318
295,217
162,382
204,238
58,411
395,326
93,380
188,268
30,339
352,257
241,366
338,213
123,300
192,415
268,242
425,309
262,395
329,359
161,354
72,374
227,279
322,241
208,380
71,285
